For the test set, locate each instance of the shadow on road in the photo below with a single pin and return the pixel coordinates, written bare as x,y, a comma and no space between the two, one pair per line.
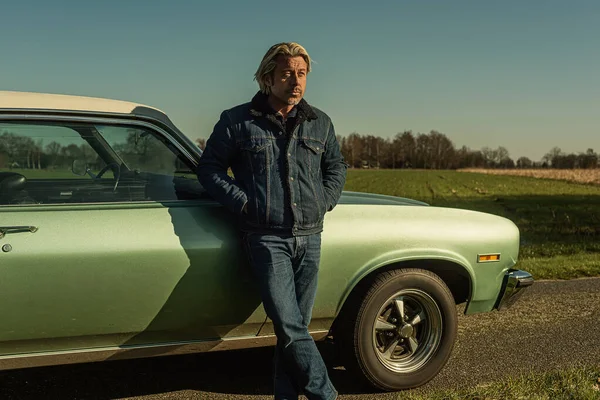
245,372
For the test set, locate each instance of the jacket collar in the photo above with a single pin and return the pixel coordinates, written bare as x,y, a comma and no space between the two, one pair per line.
259,107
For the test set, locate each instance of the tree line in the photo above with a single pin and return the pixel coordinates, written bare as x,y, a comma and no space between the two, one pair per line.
139,150
18,151
405,150
436,151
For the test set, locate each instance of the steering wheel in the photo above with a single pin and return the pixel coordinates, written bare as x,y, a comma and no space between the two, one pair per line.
116,169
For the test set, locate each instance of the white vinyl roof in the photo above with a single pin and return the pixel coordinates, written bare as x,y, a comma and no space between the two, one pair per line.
43,101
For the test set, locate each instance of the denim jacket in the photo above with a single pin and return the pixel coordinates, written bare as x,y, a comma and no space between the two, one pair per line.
288,179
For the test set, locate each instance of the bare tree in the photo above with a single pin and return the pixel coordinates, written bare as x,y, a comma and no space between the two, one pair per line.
404,145
552,156
524,162
356,148
53,150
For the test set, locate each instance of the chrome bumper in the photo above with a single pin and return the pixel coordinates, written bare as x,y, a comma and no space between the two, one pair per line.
512,288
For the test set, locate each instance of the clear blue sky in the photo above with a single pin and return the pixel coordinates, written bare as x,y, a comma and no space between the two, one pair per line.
519,74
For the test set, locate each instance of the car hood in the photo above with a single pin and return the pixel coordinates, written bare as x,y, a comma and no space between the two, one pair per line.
377,199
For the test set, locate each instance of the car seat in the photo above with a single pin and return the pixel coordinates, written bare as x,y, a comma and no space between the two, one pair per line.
12,189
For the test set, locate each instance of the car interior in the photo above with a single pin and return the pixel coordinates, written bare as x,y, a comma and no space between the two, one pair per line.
12,189
16,189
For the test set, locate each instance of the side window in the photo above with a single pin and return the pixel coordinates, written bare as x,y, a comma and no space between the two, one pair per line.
43,151
141,150
66,163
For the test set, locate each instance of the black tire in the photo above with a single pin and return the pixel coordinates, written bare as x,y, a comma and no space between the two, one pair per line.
421,350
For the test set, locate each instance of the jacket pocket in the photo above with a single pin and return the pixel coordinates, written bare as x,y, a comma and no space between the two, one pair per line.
256,154
313,152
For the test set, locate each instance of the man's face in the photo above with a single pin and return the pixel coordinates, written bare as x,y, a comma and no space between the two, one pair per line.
289,79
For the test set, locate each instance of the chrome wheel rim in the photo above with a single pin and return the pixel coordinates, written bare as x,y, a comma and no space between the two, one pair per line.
407,331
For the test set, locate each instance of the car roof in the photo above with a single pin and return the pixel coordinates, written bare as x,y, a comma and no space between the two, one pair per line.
11,101
60,102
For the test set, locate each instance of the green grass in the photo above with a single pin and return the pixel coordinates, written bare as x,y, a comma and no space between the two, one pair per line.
581,383
562,267
43,173
559,221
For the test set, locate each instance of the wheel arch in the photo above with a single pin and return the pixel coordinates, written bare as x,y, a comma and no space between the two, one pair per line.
455,274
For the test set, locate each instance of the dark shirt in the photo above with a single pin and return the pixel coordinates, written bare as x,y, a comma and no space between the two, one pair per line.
289,122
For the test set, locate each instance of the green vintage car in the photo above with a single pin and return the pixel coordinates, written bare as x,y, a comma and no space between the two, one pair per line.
111,249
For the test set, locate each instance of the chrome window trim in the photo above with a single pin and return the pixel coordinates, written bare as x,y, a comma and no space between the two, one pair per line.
100,120
160,118
124,120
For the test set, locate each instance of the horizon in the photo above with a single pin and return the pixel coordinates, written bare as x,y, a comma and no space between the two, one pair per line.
521,76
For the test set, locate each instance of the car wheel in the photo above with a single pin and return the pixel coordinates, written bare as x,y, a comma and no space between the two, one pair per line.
398,332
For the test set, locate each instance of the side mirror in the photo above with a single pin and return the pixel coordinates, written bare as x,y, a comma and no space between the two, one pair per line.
79,167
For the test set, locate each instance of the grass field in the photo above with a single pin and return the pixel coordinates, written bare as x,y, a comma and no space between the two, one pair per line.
581,383
572,175
559,221
43,174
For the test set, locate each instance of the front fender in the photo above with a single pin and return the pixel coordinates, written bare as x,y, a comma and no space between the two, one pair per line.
402,256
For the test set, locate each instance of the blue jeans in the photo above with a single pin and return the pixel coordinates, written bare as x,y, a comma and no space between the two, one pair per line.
286,269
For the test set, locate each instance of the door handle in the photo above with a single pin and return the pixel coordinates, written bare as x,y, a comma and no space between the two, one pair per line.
9,229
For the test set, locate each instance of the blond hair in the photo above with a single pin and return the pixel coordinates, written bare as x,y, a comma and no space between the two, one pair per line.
269,61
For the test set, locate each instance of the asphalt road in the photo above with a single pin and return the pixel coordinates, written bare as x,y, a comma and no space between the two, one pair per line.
555,325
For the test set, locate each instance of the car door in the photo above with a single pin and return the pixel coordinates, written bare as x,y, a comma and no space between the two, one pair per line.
136,256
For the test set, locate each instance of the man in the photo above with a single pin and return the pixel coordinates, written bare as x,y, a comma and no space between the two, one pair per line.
288,172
